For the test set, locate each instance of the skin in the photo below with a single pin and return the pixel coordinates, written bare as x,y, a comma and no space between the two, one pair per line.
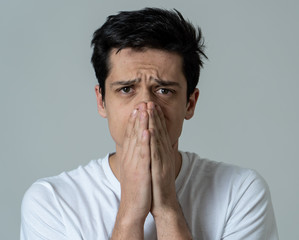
145,104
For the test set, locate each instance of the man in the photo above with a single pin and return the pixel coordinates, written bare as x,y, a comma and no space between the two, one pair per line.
147,63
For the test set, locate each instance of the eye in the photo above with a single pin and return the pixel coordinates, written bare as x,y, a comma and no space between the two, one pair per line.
164,91
126,89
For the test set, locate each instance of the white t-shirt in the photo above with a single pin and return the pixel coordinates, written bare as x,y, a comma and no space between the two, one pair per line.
219,201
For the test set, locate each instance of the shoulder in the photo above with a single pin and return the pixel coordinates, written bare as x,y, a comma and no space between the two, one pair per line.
217,171
66,182
80,177
226,180
245,197
48,201
47,188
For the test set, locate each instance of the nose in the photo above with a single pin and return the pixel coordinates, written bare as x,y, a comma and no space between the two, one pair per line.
145,99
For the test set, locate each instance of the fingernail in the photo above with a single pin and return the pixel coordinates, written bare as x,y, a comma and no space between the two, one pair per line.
134,112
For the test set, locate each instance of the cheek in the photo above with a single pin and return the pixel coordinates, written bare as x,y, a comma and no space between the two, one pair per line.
117,121
174,121
174,113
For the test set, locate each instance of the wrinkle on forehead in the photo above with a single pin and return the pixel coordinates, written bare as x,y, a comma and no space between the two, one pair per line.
149,75
147,65
146,72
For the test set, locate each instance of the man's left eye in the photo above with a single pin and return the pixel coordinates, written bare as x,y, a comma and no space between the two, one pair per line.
164,91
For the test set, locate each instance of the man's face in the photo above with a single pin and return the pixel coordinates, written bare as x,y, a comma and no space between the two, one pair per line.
144,76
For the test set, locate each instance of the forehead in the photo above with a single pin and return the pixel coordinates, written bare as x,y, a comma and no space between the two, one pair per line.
158,63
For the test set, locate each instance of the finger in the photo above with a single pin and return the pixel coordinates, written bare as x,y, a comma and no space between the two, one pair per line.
155,145
145,150
162,120
142,106
143,124
163,125
130,129
156,122
132,141
151,121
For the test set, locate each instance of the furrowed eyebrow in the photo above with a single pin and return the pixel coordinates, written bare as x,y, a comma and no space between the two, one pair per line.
166,83
125,82
137,80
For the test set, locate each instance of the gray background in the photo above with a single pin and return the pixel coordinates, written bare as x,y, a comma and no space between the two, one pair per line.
247,112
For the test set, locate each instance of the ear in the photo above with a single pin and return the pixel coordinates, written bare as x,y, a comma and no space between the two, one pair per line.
192,104
100,102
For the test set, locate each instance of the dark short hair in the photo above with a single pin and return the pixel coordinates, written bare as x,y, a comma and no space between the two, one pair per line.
149,28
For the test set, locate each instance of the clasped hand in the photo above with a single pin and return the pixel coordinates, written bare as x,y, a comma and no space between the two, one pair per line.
147,171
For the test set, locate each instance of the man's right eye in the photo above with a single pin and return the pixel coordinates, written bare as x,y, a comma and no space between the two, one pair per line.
126,89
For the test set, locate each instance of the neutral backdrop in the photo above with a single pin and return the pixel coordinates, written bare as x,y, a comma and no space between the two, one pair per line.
247,112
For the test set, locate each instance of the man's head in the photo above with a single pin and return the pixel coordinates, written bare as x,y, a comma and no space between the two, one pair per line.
149,28
147,57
